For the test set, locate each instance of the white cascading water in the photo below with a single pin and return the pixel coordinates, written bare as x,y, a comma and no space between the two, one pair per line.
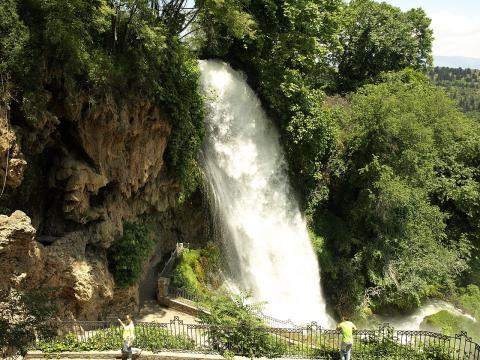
414,320
270,251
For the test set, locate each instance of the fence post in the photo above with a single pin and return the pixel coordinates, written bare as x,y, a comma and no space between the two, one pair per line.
162,288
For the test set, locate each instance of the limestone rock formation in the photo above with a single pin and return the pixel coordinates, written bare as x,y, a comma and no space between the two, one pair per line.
11,158
20,254
93,168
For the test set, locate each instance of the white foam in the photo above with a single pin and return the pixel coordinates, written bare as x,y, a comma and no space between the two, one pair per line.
246,167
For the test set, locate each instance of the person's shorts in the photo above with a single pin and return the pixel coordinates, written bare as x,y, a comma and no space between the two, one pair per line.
346,347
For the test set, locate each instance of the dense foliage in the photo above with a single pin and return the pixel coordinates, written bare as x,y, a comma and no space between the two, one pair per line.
196,269
398,183
12,39
462,85
54,50
22,314
128,255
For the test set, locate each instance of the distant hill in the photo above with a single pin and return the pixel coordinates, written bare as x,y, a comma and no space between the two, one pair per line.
462,85
456,62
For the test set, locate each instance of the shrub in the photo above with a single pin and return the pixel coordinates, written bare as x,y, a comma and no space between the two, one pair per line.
127,255
195,268
102,340
22,314
236,329
189,271
155,339
147,338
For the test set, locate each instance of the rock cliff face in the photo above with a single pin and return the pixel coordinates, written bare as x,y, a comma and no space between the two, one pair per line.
12,163
88,168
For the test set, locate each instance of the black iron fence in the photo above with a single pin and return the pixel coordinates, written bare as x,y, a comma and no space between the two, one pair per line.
184,294
181,293
310,341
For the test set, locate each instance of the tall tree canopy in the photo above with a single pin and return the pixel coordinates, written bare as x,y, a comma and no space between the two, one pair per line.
391,220
378,37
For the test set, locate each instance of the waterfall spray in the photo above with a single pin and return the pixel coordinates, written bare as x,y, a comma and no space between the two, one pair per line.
266,236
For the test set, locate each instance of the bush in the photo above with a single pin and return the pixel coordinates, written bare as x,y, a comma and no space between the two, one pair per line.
147,338
189,271
155,339
22,314
195,268
236,329
102,340
127,255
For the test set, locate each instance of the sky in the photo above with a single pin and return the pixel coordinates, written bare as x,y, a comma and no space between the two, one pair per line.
455,23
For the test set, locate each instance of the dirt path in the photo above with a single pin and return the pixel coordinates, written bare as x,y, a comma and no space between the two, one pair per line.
152,312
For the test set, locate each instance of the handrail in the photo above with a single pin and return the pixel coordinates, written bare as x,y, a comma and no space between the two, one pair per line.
168,267
268,320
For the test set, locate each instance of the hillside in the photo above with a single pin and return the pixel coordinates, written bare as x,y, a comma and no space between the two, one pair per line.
462,85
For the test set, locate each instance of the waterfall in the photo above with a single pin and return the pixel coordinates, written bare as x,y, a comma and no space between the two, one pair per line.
269,251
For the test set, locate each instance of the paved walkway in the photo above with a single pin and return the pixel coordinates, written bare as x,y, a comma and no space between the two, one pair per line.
152,312
146,355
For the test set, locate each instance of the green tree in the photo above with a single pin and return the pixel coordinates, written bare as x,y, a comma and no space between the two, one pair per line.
13,35
378,37
384,220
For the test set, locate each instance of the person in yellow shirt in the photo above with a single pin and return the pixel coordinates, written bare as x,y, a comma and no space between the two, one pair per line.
129,337
346,327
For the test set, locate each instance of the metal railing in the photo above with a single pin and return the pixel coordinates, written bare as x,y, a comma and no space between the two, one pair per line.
181,293
274,322
311,341
168,267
